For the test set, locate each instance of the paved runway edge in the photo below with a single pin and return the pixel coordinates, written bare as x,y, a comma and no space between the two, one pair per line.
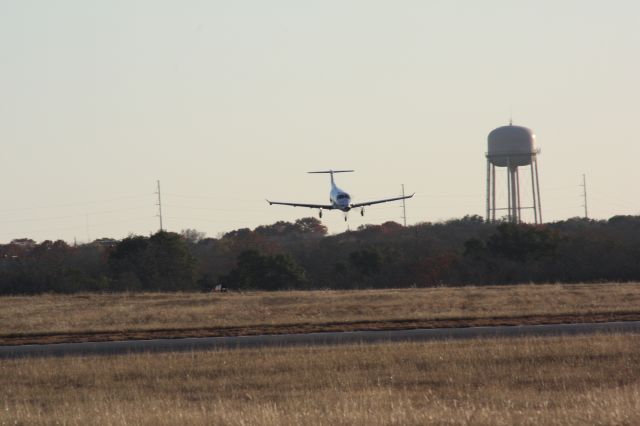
282,340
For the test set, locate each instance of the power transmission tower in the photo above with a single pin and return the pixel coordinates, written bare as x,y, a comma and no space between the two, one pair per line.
584,195
404,208
159,206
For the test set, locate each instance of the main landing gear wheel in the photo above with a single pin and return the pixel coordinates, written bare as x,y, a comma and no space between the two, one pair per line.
320,214
362,211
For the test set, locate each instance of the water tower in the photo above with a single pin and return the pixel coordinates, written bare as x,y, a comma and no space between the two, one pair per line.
512,147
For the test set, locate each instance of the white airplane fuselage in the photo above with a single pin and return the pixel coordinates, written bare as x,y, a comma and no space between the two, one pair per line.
339,198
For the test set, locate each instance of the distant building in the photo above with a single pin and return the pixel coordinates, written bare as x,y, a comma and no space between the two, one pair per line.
23,242
105,242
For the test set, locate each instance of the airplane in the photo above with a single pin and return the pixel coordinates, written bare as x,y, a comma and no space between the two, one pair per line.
339,199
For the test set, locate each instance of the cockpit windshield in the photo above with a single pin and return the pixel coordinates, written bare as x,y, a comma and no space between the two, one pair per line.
342,196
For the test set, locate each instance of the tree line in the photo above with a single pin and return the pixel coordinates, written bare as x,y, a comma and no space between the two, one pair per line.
300,255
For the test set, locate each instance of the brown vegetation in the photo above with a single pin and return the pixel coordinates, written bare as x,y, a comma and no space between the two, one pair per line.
533,381
82,317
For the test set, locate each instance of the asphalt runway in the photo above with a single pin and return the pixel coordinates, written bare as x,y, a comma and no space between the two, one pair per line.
285,340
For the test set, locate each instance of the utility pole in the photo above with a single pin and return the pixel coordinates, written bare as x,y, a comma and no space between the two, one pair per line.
87,223
404,208
584,195
159,206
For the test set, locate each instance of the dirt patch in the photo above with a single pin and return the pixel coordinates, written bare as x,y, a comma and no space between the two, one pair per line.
406,324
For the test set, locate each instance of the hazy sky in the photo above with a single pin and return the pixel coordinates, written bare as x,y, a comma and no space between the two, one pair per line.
230,102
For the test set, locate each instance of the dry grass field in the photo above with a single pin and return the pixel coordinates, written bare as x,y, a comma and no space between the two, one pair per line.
50,314
565,381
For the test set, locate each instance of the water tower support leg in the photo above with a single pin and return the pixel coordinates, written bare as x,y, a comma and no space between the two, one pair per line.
509,198
512,180
493,193
514,194
538,190
487,218
533,194
517,175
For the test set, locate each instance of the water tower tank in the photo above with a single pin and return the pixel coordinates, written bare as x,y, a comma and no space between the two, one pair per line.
511,146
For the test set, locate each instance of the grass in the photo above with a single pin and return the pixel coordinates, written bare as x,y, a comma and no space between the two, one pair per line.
532,381
175,311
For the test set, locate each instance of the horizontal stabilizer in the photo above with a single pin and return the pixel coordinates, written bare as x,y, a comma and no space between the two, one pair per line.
333,171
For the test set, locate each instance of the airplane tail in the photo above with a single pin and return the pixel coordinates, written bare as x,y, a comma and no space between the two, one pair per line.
331,172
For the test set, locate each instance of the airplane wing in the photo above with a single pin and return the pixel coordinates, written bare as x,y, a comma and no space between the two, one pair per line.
312,206
386,200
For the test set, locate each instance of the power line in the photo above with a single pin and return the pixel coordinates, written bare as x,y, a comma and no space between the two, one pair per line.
211,197
52,206
244,210
78,227
71,216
